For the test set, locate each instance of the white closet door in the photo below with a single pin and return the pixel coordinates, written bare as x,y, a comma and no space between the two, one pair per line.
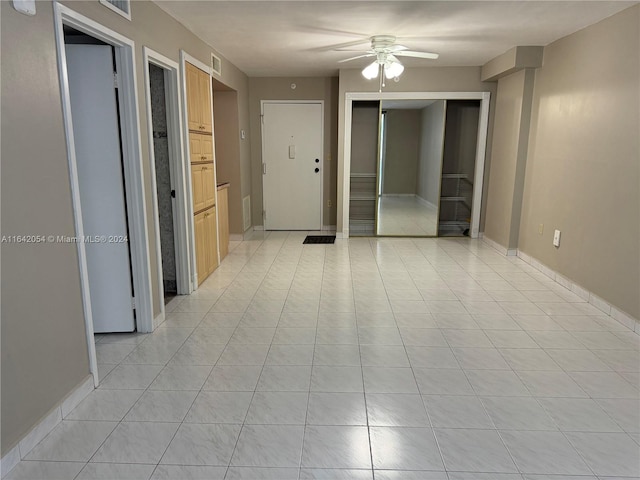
94,114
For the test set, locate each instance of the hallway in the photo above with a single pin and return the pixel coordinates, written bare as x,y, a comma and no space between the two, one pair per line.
406,359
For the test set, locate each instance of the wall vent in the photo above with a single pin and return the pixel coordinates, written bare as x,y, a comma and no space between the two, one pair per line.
216,64
122,7
246,212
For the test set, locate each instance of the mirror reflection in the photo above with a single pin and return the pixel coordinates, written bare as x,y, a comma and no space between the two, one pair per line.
411,143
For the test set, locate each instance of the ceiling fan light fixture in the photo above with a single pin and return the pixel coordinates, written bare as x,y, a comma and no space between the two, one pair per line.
371,71
393,70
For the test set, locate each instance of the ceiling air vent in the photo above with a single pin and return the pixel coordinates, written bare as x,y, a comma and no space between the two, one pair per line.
216,65
122,7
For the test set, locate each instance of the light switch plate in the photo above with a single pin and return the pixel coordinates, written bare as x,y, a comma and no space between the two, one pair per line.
556,238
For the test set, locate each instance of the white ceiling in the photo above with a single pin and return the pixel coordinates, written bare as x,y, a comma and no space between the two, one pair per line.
298,38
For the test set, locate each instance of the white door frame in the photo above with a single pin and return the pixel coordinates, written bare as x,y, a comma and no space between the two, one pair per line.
344,170
317,102
190,238
176,165
124,49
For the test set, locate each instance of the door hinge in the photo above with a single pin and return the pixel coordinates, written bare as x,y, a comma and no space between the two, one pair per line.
115,80
264,214
133,302
262,118
264,168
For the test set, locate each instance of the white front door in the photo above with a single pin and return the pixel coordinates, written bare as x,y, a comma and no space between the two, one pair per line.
292,141
94,114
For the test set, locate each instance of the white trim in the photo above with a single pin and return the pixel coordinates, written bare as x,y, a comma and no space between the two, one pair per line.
258,228
175,145
293,102
46,425
159,320
483,122
9,461
124,49
509,252
621,317
328,228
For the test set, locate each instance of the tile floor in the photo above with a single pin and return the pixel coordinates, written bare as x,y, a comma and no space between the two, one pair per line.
406,216
390,359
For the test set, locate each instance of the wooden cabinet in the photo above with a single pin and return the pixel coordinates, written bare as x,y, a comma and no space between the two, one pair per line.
206,243
203,186
200,147
198,99
201,246
223,220
203,170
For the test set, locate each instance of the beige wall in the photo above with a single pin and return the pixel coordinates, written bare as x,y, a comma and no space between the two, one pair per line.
44,353
583,165
402,147
307,88
227,145
429,79
44,348
509,155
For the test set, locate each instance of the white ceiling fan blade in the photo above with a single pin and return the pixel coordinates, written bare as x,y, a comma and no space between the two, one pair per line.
356,57
397,48
409,53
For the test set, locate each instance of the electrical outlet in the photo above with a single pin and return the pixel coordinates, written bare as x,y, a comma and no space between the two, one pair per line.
329,203
556,238
541,228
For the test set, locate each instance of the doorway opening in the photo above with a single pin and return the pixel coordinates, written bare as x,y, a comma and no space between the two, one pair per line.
164,130
98,90
164,184
430,151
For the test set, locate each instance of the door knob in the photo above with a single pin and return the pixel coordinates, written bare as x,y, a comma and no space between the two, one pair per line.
317,170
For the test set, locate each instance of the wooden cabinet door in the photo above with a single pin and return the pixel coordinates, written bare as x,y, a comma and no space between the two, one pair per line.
212,239
223,221
200,147
200,232
197,187
208,185
205,102
194,110
207,147
196,152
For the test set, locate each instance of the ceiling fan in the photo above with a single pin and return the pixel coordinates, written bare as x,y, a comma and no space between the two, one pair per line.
385,50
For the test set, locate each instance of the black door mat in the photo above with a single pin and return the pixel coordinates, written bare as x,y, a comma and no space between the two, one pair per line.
320,239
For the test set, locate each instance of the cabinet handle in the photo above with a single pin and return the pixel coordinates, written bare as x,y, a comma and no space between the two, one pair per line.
204,168
203,157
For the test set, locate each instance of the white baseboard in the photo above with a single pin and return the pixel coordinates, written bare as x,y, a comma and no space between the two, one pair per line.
158,320
621,317
46,425
258,228
238,237
329,228
509,252
397,194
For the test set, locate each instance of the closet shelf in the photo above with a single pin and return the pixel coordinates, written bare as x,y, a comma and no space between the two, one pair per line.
362,197
363,175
